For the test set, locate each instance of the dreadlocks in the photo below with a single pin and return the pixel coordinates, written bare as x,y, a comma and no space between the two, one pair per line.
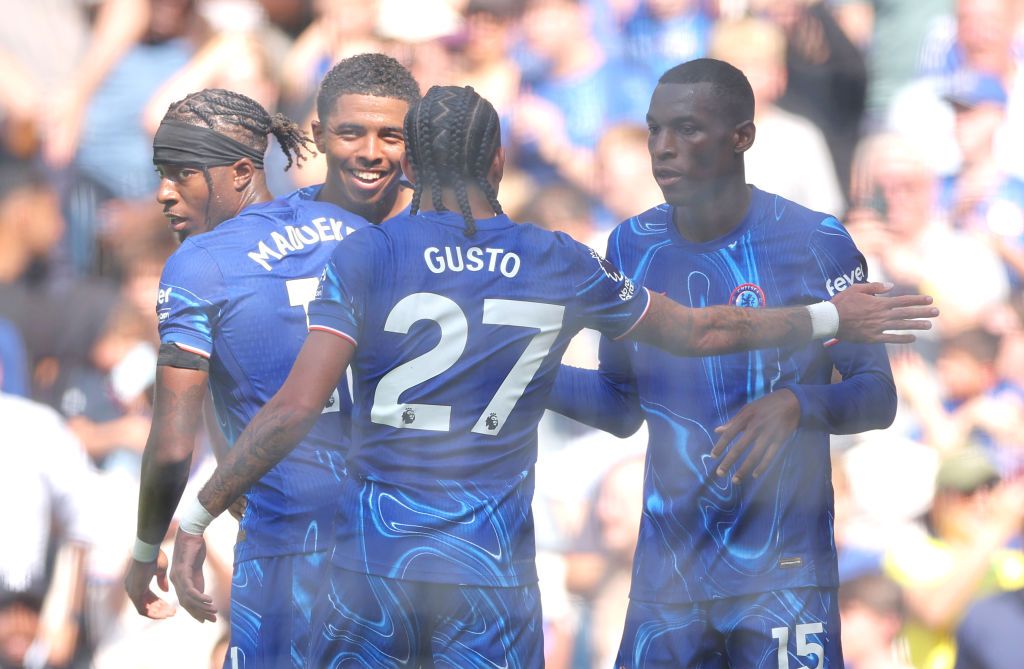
242,117
451,136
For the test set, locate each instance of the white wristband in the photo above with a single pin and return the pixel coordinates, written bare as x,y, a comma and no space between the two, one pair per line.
824,320
143,552
194,517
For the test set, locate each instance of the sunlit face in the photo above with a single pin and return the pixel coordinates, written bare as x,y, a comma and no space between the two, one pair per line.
363,142
187,201
690,141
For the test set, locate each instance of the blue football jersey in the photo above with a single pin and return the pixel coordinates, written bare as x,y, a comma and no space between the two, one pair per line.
703,537
458,340
238,295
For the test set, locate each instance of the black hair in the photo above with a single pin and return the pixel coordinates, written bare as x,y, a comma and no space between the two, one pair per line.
451,136
876,591
729,85
242,118
366,74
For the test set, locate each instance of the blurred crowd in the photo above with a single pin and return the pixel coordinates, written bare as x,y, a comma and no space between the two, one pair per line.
903,118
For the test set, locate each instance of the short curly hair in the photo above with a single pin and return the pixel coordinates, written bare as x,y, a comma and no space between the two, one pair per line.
366,74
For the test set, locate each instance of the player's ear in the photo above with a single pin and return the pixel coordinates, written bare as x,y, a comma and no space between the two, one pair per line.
743,136
407,168
242,174
318,136
497,169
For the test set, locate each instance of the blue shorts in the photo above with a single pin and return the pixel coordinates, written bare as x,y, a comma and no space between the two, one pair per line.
781,629
361,620
271,600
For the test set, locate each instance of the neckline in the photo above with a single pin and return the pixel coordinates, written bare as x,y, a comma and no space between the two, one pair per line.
753,214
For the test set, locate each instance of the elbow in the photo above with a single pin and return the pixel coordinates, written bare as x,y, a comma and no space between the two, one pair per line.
886,404
627,425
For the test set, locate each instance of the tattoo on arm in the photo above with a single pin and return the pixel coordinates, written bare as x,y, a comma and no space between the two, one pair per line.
271,435
720,329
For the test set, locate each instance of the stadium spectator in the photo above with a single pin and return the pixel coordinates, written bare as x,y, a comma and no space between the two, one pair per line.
872,611
897,226
580,90
965,553
790,156
967,400
989,636
46,485
664,33
826,78
623,183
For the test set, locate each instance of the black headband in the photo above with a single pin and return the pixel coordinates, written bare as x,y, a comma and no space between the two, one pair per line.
178,143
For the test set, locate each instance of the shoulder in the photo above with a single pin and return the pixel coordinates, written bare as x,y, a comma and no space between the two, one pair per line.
782,211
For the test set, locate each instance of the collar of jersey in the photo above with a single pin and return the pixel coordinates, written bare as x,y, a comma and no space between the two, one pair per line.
454,219
752,215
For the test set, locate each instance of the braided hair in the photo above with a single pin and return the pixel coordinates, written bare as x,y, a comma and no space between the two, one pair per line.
451,136
244,119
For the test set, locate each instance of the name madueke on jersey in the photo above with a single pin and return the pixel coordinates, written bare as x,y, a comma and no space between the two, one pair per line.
321,229
451,259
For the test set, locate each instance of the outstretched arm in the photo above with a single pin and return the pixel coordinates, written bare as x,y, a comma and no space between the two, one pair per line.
863,316
271,435
177,407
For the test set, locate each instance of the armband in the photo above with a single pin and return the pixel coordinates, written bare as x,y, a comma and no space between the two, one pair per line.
144,552
194,517
172,355
824,320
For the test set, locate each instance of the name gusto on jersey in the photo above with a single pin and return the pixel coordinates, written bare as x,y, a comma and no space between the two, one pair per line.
474,259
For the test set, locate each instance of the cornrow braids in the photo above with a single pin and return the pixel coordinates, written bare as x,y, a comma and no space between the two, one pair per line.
484,155
417,191
242,118
452,135
458,154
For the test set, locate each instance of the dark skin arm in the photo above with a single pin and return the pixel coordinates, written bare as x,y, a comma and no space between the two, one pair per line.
269,437
863,317
177,411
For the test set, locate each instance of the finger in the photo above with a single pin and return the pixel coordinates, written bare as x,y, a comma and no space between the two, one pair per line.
727,433
909,300
912,312
768,458
889,338
753,458
161,580
907,325
738,448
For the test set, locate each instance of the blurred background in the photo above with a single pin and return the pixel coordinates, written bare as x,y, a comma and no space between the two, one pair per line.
904,118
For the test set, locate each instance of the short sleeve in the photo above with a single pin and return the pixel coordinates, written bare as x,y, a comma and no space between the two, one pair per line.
343,292
835,264
608,300
187,301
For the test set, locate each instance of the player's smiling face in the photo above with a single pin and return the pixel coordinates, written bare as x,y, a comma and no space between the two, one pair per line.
363,142
691,141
